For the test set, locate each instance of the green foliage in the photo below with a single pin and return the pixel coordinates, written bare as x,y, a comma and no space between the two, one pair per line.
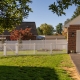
12,13
67,20
76,13
59,6
59,28
39,31
46,29
35,67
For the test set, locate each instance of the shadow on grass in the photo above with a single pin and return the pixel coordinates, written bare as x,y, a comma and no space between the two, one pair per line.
27,73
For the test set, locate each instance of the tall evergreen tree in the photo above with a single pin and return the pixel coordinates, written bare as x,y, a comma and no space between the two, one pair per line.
76,13
59,28
67,20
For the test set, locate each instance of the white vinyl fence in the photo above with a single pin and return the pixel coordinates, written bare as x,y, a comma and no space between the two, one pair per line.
33,47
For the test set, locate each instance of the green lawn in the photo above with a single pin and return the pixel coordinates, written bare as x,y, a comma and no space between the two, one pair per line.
32,52
48,67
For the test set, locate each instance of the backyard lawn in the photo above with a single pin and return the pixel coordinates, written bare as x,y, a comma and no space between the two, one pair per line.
46,67
36,52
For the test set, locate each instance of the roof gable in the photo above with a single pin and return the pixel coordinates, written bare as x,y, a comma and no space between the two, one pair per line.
73,22
23,26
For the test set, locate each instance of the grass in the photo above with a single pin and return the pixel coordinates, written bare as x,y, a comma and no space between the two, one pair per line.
35,67
32,52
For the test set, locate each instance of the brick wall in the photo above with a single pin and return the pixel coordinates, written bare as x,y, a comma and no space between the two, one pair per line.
72,39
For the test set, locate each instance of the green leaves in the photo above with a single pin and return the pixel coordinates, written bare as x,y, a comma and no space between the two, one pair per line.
59,6
12,13
46,29
76,13
59,28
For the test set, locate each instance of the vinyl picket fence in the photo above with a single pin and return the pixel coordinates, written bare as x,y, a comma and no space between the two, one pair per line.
32,48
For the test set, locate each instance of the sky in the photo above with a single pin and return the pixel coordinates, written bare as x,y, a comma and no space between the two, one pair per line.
41,13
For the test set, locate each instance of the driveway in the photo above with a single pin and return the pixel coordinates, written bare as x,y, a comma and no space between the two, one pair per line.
76,59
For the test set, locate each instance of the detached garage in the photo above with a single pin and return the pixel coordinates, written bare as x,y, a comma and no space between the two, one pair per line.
74,35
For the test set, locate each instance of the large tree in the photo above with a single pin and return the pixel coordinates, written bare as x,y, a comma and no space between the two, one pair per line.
59,6
76,13
46,29
12,13
67,20
39,31
59,28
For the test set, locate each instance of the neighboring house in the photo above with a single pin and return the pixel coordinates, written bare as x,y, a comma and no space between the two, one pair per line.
23,26
54,37
73,35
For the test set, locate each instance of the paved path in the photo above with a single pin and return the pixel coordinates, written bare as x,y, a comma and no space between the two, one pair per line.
76,60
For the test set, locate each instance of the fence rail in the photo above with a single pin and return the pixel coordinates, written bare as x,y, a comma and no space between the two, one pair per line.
32,48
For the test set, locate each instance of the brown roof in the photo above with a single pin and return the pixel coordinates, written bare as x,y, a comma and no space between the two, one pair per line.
24,25
54,37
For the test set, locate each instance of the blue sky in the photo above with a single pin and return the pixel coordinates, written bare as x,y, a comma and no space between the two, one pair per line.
41,14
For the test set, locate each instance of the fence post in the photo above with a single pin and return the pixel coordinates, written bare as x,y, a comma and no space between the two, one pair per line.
56,43
34,48
50,48
67,47
4,49
16,48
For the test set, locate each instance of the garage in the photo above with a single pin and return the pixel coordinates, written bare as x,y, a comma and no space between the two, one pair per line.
73,35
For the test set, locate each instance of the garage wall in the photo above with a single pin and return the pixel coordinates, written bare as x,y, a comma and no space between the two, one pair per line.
72,39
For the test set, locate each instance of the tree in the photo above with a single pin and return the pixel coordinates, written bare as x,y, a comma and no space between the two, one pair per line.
46,29
64,32
59,6
76,13
12,13
59,28
39,31
21,34
67,20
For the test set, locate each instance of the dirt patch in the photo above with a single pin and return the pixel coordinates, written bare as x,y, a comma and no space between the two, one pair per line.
72,72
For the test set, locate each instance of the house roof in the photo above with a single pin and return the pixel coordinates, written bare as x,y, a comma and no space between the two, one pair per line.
75,21
24,25
54,37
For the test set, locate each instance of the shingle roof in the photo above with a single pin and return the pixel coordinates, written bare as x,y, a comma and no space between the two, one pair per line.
24,25
54,37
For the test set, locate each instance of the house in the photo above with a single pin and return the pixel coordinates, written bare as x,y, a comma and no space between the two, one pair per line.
23,26
73,35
